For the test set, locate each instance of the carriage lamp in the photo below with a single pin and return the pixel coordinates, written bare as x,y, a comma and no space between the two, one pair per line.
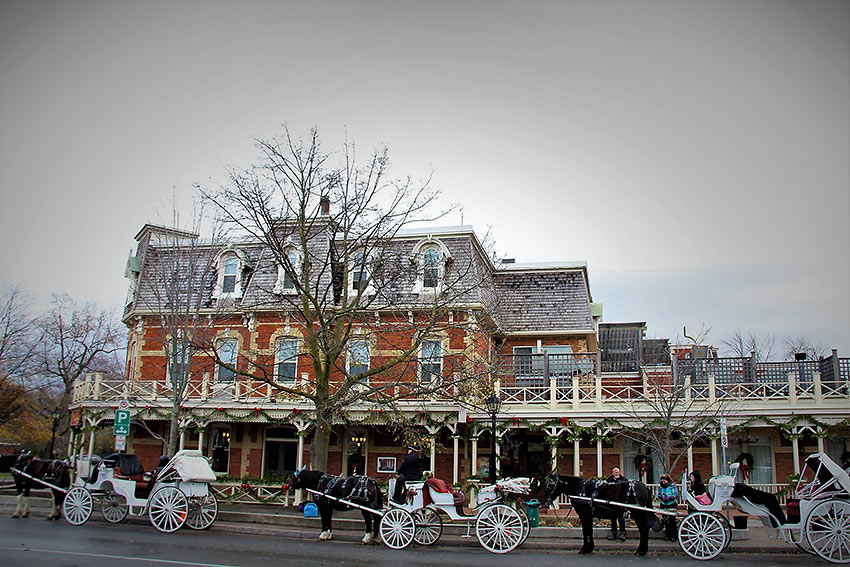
493,404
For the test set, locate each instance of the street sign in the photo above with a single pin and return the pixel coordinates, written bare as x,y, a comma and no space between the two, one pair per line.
120,442
724,433
122,422
123,404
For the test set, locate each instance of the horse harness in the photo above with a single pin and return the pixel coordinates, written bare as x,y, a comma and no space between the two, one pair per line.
595,485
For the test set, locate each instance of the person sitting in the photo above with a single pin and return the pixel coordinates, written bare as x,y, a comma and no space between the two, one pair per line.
409,471
698,488
668,496
616,477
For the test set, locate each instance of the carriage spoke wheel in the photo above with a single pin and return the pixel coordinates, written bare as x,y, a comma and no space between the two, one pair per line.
77,506
429,526
499,528
168,509
702,536
202,511
114,507
727,527
526,525
828,530
397,528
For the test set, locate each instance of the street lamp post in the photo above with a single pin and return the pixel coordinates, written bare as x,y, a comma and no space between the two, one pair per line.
493,404
53,433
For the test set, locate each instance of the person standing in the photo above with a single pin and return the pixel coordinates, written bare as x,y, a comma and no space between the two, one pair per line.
620,519
668,496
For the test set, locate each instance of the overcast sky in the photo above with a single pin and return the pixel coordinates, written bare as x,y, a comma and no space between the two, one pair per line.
694,154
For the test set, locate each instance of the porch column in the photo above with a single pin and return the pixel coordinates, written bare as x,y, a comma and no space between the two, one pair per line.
201,439
434,456
598,455
455,439
498,458
71,436
820,445
576,458
299,459
473,467
690,459
182,440
795,449
91,442
715,465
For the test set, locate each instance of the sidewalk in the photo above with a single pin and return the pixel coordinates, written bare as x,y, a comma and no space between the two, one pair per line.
287,522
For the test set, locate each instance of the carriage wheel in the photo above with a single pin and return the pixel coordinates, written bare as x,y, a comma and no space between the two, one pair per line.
727,527
202,511
828,530
499,528
526,525
77,506
703,536
397,528
114,507
803,544
168,509
429,526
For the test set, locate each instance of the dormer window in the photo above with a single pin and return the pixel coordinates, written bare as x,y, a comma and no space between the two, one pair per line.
230,264
431,258
287,273
431,268
228,280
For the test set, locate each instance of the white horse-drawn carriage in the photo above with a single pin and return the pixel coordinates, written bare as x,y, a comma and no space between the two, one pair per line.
500,521
176,495
822,526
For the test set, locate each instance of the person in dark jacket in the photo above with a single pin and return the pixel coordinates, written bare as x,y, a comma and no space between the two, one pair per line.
616,477
409,471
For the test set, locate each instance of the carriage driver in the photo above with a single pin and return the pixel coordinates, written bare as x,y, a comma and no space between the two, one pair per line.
616,477
409,471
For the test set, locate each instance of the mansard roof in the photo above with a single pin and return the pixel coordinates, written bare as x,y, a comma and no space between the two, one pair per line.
543,297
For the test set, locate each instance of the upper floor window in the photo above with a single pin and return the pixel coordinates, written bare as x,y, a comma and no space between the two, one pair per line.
230,264
286,360
287,273
432,258
227,355
179,359
358,357
430,362
431,268
359,273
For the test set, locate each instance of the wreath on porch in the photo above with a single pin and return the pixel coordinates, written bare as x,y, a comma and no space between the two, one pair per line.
746,460
640,462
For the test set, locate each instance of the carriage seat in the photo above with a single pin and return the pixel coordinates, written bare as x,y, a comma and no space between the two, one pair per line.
440,492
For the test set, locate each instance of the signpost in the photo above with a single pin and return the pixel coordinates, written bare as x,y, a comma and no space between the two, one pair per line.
121,429
724,440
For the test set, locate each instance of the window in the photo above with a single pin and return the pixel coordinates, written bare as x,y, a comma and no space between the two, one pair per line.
220,449
227,353
179,359
430,362
359,274
431,265
287,274
358,357
286,360
228,280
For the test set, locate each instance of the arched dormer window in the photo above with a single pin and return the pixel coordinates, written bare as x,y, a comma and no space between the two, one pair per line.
229,264
431,258
288,272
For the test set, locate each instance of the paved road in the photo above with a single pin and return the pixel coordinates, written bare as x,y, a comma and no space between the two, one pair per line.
36,542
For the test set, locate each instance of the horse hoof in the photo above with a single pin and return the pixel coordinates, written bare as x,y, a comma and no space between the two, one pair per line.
16,516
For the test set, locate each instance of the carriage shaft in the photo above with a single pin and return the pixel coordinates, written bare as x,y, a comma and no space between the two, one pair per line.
346,502
38,480
623,505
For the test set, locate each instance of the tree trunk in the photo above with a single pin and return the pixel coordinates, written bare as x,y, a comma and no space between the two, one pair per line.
319,446
174,430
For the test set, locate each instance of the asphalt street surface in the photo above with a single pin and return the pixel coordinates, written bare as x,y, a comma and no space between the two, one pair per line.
37,542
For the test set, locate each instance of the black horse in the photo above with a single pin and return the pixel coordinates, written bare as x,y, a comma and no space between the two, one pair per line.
627,492
57,473
361,490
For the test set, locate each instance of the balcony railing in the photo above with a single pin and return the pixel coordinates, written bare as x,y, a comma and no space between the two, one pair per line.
563,379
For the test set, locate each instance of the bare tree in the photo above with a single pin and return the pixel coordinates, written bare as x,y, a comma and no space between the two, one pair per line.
813,349
744,345
75,339
16,350
336,267
174,288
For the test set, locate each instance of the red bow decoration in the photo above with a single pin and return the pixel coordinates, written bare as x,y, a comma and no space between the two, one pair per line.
148,408
296,411
468,419
256,412
745,470
219,409
565,421
515,420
